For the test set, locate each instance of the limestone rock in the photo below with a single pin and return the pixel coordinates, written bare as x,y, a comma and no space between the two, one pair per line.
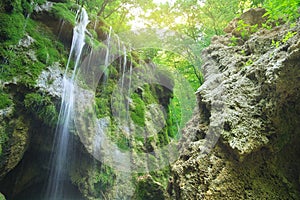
26,41
50,81
242,142
252,16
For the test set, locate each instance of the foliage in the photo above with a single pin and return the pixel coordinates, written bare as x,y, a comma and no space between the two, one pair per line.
115,12
178,64
5,101
287,36
285,10
11,28
249,62
234,41
137,113
147,188
42,107
102,98
246,29
174,117
104,178
26,63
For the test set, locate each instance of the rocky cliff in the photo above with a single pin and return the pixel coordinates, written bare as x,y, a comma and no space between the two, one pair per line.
242,142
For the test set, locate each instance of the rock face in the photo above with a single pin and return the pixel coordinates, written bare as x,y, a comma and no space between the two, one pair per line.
242,143
14,132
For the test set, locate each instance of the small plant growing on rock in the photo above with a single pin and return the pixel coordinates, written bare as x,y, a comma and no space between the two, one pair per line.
288,36
233,40
249,62
246,29
275,43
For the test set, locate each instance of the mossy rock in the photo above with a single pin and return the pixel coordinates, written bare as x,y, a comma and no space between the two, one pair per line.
42,108
5,101
17,131
91,177
11,28
63,11
148,189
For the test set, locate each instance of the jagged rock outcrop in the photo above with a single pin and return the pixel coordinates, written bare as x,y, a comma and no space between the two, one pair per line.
242,142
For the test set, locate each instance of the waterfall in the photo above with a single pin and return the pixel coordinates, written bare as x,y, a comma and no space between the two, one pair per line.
107,56
119,52
60,149
124,67
129,91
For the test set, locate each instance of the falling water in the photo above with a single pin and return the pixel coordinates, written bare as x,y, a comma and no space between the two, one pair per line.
124,67
119,52
55,188
129,91
107,60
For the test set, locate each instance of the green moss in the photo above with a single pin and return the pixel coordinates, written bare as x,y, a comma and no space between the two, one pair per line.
104,178
11,28
92,178
163,137
21,63
149,95
162,176
147,188
5,101
42,107
64,11
137,112
102,99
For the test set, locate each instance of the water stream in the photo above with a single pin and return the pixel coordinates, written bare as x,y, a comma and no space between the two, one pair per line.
61,147
107,56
